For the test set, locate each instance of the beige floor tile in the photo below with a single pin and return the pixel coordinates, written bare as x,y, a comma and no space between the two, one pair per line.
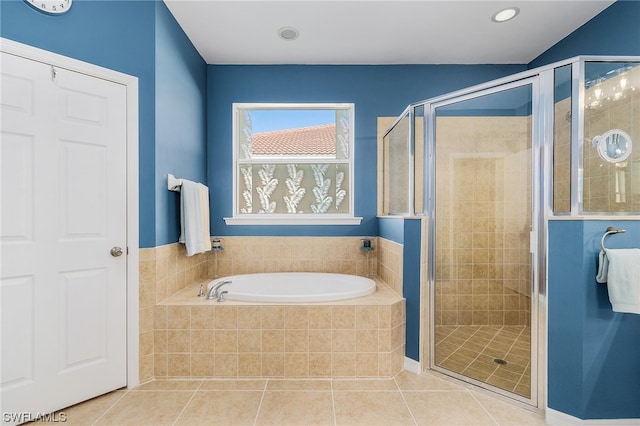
447,408
170,385
299,385
365,385
507,414
221,408
293,408
240,385
146,408
371,408
87,412
424,382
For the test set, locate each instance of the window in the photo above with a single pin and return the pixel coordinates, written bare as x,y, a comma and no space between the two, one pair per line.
293,164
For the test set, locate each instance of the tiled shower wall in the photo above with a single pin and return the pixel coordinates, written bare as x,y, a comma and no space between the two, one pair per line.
166,270
562,156
612,187
607,187
482,231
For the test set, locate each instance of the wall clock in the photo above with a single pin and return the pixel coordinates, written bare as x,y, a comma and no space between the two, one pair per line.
53,7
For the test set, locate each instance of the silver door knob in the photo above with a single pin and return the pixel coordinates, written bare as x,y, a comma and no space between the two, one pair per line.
116,251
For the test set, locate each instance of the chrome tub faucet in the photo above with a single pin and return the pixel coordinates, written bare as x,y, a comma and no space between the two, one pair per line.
214,292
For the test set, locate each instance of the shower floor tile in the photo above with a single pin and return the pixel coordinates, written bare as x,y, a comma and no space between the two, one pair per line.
478,352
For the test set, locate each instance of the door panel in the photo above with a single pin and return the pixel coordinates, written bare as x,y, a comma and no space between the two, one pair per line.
63,209
83,317
483,222
18,312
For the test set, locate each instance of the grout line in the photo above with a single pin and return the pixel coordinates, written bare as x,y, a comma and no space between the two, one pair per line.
110,408
406,404
187,403
264,391
333,405
483,407
528,363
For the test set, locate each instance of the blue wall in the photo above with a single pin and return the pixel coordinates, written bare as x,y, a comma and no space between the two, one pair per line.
181,80
408,232
130,37
375,90
594,353
411,263
615,31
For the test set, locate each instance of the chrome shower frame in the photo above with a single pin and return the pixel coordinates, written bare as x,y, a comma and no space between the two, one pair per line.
542,80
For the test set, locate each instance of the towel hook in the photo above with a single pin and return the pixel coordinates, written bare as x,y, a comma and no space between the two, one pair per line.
610,230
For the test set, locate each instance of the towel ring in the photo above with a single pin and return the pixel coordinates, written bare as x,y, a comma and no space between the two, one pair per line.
610,230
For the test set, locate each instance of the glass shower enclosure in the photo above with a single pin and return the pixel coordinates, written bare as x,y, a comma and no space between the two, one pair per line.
486,167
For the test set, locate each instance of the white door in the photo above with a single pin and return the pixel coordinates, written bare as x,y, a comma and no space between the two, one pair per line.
63,294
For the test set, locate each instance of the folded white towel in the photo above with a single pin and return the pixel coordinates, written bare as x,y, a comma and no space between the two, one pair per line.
623,279
194,217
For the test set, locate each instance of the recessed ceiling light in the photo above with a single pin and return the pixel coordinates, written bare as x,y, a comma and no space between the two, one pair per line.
505,14
288,33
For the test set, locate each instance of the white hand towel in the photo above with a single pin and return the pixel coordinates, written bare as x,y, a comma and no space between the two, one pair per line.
623,279
603,267
194,217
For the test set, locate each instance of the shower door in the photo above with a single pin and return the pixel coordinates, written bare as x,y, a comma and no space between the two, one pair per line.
481,265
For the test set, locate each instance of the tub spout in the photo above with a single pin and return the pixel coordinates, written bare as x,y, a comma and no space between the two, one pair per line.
213,292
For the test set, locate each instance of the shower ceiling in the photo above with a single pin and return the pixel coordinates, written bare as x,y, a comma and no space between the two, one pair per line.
377,31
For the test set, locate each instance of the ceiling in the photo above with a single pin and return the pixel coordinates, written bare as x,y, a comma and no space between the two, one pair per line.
377,31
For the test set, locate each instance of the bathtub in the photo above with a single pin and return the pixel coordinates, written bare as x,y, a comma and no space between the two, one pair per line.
283,287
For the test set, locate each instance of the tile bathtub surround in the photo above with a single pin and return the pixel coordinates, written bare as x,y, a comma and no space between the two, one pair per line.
390,264
403,399
361,337
246,255
164,271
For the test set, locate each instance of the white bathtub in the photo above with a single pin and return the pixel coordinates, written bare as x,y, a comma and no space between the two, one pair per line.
297,287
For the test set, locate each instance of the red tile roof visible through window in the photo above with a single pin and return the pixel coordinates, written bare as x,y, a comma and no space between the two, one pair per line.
314,140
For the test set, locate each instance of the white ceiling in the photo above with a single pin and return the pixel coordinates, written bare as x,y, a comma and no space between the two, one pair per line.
377,31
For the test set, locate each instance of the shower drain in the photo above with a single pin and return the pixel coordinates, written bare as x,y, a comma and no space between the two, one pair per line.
500,361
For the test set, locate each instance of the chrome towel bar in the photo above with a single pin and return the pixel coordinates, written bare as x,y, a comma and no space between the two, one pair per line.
610,230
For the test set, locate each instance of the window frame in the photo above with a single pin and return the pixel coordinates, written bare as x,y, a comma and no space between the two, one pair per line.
239,218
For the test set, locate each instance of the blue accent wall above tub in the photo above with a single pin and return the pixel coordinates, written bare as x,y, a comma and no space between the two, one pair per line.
593,352
376,91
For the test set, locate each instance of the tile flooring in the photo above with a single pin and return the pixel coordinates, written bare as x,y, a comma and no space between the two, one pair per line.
471,351
406,399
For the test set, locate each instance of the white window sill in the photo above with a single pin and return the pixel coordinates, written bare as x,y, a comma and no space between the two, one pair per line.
293,219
